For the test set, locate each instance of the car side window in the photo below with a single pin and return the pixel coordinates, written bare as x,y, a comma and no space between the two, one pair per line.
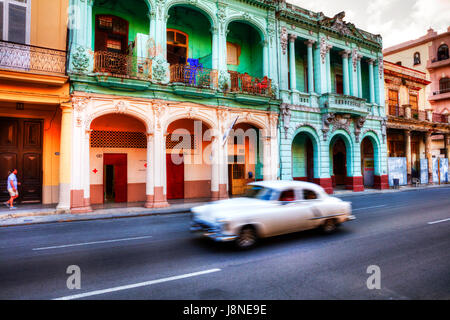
309,195
287,195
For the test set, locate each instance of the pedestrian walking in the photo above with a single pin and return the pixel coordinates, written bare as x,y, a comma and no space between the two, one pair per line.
11,185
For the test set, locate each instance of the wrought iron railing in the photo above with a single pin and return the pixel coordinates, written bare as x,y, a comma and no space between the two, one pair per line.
194,75
22,57
122,65
397,111
244,83
441,118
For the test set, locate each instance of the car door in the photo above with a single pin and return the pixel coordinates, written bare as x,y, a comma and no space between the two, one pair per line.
314,204
287,213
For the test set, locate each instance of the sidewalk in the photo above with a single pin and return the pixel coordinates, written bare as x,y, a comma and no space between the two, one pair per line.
33,214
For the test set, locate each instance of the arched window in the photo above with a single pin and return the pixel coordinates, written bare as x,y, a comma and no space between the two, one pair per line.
416,58
442,53
444,85
177,46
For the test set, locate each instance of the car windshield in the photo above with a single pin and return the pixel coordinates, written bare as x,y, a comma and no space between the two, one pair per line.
258,192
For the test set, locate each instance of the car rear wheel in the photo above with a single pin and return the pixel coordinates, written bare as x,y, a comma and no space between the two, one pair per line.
329,226
247,238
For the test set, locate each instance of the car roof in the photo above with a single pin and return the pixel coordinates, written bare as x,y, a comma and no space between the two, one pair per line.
287,184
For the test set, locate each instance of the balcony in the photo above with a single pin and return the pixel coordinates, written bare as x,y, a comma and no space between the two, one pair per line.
440,118
193,80
435,63
122,66
33,59
250,90
335,103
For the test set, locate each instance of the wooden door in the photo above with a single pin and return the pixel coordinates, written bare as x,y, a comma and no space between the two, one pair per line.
21,148
119,161
175,178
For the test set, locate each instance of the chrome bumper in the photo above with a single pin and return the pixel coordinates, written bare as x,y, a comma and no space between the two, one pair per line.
213,232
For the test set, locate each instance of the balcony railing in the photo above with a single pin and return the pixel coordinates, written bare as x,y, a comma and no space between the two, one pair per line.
122,65
22,57
194,76
244,83
397,111
441,118
419,114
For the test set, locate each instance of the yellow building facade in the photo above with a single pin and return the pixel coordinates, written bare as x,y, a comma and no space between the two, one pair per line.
34,99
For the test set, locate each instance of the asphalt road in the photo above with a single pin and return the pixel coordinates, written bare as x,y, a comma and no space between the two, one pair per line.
405,234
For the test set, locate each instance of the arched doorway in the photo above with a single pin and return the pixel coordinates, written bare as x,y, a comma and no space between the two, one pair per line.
245,157
188,151
367,162
117,159
303,158
338,158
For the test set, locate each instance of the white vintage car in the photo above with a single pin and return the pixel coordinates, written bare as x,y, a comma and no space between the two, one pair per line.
270,208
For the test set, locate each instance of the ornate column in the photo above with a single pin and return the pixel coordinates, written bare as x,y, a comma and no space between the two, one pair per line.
215,167
65,158
284,80
371,82
359,76
309,44
320,67
215,47
80,21
407,134
345,72
267,175
265,45
354,90
292,72
429,157
328,68
159,158
149,180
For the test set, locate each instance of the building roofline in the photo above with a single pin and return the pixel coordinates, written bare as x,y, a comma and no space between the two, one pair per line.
430,36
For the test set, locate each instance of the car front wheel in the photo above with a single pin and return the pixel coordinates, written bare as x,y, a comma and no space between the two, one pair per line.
329,226
247,238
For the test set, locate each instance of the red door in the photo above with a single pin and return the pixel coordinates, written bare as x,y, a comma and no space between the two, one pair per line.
175,178
119,161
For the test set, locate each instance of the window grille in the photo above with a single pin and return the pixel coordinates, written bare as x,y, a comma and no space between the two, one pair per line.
180,141
118,139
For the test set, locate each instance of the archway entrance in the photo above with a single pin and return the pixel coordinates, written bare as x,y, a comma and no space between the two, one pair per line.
188,165
245,152
367,162
339,162
118,159
302,158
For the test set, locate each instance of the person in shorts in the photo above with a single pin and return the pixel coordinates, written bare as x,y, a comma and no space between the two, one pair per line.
12,189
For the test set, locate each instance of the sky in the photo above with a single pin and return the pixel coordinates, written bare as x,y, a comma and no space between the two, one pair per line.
396,20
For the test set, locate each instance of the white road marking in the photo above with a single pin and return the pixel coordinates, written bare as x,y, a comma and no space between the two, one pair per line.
88,243
136,285
384,205
439,221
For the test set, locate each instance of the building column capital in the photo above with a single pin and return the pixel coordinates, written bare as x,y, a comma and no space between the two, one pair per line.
310,43
292,37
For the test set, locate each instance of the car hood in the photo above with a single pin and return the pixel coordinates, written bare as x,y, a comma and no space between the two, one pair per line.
226,209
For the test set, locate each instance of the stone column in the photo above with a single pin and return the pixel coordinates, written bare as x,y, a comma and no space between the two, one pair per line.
429,157
215,47
265,46
345,72
328,68
215,167
407,134
159,160
65,159
371,81
292,72
266,160
149,181
309,45
358,66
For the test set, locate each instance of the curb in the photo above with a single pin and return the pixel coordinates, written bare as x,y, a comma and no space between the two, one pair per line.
104,216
